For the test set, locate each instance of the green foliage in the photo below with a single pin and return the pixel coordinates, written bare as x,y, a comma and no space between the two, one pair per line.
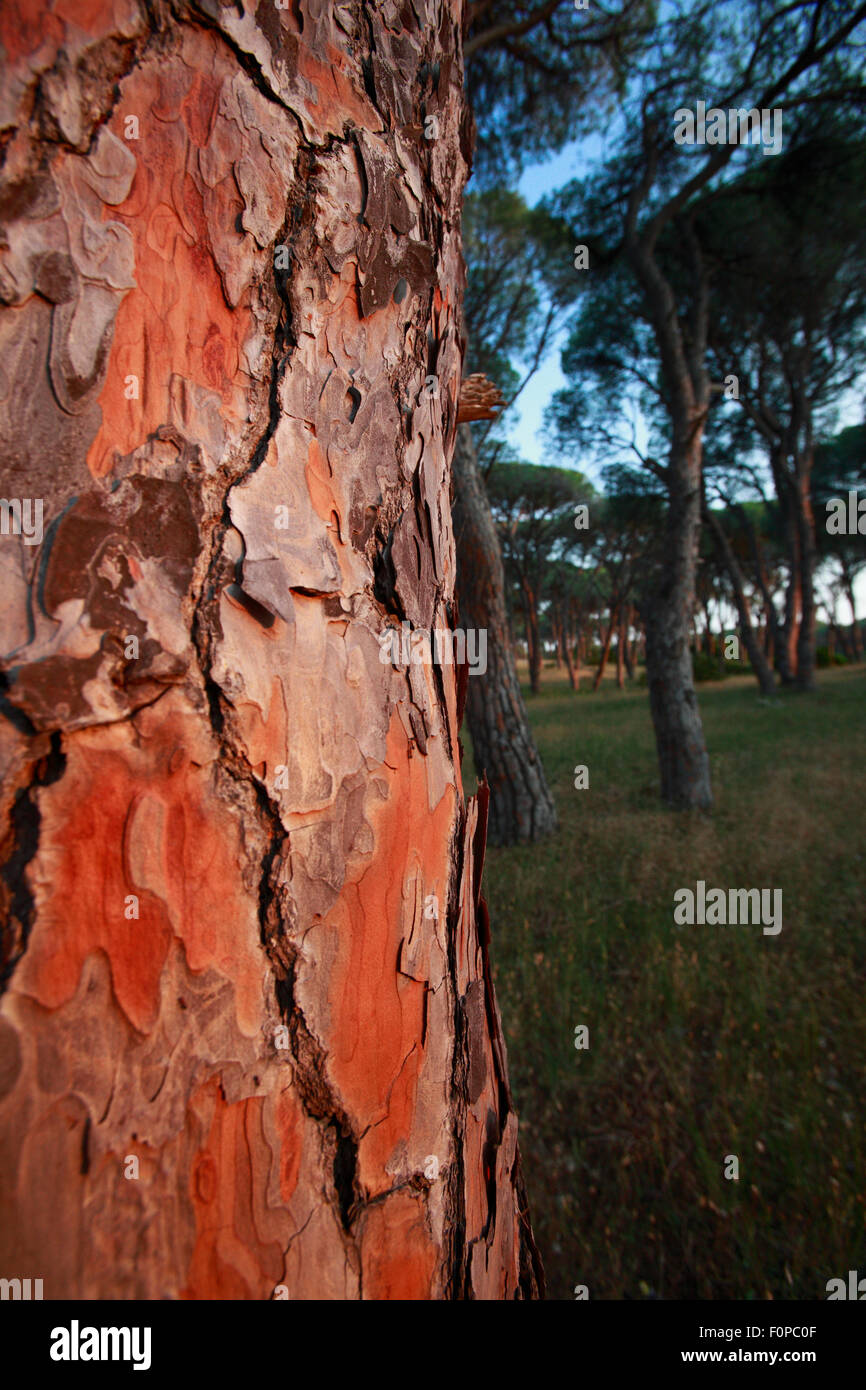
706,667
823,658
539,75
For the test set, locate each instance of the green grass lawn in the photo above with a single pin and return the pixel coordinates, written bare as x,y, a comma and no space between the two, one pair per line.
704,1041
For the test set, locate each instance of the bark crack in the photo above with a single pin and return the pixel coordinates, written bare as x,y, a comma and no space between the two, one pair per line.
25,819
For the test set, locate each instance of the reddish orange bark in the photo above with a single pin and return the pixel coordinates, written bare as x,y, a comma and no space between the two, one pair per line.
248,1040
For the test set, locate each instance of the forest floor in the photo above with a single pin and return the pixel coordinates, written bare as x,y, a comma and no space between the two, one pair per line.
704,1041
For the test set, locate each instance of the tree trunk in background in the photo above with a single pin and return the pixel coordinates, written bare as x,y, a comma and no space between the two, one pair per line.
521,806
682,751
569,660
791,623
776,650
806,548
556,620
708,634
628,640
669,604
605,649
533,638
760,665
248,1037
856,634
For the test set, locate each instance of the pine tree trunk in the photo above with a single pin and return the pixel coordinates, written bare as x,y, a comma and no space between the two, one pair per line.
759,663
249,1046
856,634
806,634
605,649
569,661
521,806
628,642
682,752
791,626
669,603
776,649
533,637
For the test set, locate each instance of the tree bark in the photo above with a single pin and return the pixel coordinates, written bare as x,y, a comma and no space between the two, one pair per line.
669,603
760,665
606,638
806,547
620,645
856,634
533,638
556,623
629,642
682,752
708,632
777,648
793,597
248,1037
521,806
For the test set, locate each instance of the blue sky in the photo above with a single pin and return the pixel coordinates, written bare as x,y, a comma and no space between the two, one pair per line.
526,415
524,422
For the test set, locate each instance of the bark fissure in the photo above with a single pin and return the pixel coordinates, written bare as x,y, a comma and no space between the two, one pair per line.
25,819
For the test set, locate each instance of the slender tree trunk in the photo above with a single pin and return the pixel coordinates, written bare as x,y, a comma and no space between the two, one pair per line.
856,634
605,648
521,806
556,622
628,642
806,549
533,640
572,647
791,624
777,647
669,605
835,634
250,1047
708,635
759,663
620,643
682,752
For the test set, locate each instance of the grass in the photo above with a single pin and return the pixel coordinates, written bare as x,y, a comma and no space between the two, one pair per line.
704,1041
